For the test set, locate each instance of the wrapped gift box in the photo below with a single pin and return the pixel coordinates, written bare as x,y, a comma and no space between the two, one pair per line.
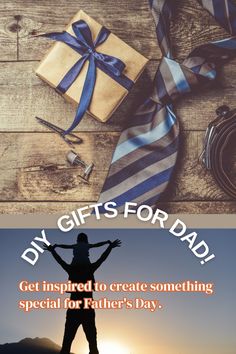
108,93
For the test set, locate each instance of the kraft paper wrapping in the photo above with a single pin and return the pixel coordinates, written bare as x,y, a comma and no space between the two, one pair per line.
108,94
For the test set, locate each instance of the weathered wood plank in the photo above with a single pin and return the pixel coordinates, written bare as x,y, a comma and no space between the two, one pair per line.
131,21
63,208
122,20
34,168
23,96
193,26
8,35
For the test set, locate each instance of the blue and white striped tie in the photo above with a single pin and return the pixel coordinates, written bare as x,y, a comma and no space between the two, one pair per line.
146,152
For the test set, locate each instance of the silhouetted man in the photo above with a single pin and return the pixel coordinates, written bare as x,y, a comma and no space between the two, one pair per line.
84,317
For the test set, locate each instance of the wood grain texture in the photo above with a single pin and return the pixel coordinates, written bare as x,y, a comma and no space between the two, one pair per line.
8,38
193,26
131,21
9,26
24,95
123,20
34,168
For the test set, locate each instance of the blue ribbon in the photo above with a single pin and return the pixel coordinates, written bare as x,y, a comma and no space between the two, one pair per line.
84,45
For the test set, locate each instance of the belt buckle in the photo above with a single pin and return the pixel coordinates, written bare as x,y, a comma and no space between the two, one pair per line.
205,156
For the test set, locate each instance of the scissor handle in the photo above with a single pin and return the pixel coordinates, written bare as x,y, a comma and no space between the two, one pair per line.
70,138
74,139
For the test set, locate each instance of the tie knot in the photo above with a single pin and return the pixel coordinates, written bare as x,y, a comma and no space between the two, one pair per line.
174,79
171,81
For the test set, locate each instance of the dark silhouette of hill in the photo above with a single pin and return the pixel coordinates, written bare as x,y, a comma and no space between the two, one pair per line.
31,346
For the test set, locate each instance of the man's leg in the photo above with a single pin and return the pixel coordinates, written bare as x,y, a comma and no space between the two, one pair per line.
73,321
90,331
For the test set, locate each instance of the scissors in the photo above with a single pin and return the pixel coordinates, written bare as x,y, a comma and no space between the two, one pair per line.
70,138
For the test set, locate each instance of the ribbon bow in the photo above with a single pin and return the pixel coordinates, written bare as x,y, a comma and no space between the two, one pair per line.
84,45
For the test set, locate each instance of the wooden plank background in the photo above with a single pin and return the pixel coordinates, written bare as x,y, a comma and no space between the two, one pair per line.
35,177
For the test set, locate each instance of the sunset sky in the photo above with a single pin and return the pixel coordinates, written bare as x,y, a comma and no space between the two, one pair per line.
187,324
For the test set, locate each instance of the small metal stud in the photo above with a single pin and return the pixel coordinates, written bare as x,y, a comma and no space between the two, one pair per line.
74,159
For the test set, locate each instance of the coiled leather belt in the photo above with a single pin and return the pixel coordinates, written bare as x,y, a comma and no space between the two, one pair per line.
218,135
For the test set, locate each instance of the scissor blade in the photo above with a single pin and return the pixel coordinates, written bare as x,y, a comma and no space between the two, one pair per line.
50,125
70,138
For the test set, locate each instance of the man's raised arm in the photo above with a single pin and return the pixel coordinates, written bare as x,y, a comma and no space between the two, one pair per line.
56,256
96,265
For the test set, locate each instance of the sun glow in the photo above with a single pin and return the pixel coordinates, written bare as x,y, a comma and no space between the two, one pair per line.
112,348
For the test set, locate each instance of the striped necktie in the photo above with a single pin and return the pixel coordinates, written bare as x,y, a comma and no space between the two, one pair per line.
146,153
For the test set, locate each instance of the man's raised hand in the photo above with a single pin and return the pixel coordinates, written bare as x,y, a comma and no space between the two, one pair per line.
49,248
116,243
